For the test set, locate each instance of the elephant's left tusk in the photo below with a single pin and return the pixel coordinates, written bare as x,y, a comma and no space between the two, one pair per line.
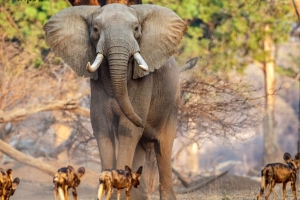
141,62
96,64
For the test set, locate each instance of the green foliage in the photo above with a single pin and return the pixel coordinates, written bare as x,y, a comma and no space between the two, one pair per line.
229,34
226,34
290,72
225,197
23,21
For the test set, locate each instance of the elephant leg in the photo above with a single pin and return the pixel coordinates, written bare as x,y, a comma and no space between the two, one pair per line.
106,146
128,137
163,149
102,124
139,160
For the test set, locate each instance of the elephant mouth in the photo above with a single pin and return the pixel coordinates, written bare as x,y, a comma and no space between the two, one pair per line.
118,69
99,58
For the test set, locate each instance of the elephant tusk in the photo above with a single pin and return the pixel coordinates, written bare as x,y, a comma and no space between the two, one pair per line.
92,68
141,62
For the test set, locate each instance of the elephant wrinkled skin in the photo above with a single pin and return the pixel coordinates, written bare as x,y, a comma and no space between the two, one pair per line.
133,105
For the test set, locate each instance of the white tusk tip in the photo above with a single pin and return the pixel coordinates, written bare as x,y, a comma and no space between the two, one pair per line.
144,67
88,67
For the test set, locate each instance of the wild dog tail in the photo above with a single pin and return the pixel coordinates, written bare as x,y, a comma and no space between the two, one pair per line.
61,193
263,179
101,190
263,183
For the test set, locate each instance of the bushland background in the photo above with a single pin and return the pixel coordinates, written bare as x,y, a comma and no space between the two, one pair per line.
239,108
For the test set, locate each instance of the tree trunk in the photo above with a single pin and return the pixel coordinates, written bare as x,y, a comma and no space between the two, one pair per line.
297,7
270,138
192,149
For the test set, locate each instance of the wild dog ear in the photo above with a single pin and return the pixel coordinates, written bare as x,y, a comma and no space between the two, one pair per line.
297,156
9,173
287,157
15,183
71,168
80,172
127,168
139,171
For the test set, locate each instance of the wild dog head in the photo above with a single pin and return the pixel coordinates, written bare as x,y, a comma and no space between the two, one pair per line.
8,185
135,177
295,163
67,175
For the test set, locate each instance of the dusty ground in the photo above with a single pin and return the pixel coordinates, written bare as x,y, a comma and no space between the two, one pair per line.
36,185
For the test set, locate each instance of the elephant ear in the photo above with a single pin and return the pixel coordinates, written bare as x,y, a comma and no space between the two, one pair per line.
67,33
162,30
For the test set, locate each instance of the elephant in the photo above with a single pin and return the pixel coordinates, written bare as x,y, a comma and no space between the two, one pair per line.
133,76
103,2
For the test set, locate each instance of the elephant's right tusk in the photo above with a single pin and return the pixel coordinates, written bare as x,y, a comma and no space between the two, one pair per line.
96,64
141,62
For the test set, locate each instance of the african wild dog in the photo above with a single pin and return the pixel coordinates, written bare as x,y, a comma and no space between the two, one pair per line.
119,179
280,173
8,186
66,178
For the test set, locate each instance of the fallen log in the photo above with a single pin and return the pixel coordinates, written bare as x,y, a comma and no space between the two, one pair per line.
196,185
90,176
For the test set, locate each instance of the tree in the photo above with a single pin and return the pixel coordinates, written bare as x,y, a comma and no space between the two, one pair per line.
233,34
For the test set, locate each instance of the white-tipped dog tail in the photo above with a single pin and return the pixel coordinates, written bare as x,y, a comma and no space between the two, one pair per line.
61,193
100,191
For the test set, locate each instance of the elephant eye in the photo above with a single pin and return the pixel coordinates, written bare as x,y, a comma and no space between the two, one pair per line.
95,29
136,29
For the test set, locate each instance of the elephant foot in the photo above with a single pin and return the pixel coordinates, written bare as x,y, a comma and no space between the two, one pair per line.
135,194
167,195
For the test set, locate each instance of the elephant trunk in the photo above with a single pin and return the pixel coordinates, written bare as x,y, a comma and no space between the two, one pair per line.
118,57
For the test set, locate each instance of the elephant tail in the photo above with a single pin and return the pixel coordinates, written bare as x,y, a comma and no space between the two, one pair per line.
189,64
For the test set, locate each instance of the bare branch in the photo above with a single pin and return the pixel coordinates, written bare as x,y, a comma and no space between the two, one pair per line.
23,158
19,114
220,104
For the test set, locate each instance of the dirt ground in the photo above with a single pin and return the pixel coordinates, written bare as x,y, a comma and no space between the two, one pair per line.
36,185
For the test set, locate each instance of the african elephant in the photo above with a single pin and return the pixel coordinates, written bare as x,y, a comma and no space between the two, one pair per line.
134,79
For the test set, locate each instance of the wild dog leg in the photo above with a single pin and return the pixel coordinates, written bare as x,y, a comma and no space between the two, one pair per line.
119,193
66,193
284,190
56,193
271,187
293,185
127,193
74,192
109,193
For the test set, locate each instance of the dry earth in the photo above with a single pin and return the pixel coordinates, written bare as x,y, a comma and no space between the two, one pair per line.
36,185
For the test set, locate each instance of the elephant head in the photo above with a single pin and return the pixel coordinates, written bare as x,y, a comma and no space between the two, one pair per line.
117,33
